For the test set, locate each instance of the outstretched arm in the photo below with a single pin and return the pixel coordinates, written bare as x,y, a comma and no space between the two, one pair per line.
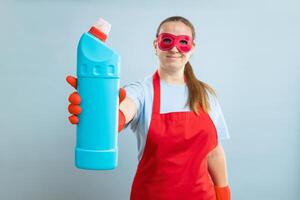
129,109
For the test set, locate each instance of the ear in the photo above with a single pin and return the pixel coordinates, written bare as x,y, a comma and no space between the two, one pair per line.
194,44
193,47
155,44
191,52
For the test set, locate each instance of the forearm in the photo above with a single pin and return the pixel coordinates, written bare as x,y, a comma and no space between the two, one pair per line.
217,166
129,109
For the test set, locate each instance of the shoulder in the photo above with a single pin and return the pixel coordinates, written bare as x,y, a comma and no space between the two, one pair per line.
142,82
216,114
212,96
139,90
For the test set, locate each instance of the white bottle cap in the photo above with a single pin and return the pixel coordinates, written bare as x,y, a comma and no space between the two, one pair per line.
103,26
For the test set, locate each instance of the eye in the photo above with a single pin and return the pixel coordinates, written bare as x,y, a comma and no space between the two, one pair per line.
167,40
183,42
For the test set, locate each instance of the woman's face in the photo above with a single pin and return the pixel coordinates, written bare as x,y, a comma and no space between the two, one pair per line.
173,59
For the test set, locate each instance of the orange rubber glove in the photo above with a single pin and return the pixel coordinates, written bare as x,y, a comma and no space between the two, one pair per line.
75,109
223,193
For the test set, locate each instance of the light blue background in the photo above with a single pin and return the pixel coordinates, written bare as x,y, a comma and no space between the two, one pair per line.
247,50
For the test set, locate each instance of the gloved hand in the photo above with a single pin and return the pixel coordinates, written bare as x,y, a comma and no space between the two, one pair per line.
222,193
75,109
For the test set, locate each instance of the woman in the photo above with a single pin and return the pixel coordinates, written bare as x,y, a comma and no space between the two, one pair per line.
178,122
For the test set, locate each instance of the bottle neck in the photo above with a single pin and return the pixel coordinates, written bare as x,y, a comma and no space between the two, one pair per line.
98,33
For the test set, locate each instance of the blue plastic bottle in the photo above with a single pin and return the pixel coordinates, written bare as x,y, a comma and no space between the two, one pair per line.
98,73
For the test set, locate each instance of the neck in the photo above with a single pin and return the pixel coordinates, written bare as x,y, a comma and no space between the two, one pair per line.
172,77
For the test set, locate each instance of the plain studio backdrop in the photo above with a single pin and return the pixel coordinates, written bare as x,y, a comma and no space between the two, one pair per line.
248,51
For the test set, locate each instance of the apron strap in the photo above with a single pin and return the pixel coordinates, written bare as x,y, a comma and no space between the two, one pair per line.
156,93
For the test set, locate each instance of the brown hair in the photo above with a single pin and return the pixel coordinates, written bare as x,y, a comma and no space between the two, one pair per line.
198,95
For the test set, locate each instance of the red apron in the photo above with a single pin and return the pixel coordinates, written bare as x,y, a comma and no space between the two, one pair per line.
174,161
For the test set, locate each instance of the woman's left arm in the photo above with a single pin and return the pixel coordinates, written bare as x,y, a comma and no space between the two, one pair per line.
217,166
218,172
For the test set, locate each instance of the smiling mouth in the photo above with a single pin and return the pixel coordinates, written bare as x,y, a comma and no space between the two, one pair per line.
173,57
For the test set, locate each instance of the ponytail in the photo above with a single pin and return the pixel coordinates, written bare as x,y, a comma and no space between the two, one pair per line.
198,96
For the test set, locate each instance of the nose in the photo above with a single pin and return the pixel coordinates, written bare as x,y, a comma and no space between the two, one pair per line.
174,49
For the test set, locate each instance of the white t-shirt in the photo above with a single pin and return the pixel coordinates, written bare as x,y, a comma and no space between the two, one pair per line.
141,92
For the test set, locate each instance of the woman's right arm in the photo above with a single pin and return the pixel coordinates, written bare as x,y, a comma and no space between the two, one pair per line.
133,96
129,108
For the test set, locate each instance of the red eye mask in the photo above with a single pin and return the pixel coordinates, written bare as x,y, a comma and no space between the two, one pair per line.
166,42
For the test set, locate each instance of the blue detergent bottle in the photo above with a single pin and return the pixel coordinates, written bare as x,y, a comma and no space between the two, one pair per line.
98,83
